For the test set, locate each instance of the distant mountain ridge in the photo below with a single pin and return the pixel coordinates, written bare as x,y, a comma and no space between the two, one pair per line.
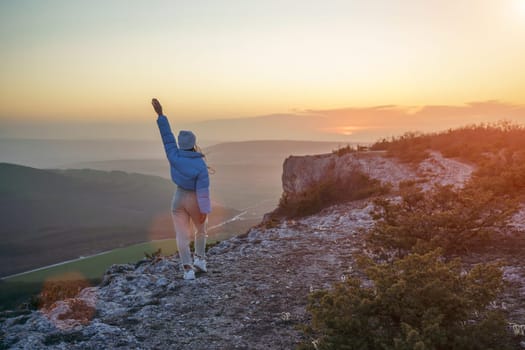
57,153
246,172
285,147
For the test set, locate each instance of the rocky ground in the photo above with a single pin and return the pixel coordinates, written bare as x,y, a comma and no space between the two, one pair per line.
253,296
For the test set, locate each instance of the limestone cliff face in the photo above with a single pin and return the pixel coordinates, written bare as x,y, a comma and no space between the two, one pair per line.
254,294
300,174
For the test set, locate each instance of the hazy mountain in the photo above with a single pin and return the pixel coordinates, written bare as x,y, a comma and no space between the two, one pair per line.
53,215
55,153
247,174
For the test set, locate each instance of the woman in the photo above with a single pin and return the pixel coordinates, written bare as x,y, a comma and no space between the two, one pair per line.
191,201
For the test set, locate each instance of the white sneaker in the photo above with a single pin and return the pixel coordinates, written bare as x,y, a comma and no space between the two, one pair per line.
200,264
189,274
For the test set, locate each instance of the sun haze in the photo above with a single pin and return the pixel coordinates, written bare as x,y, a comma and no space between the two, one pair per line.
99,61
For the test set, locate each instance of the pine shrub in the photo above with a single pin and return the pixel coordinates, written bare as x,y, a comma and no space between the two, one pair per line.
417,302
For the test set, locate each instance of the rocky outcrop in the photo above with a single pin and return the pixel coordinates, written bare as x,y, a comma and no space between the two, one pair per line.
254,294
301,174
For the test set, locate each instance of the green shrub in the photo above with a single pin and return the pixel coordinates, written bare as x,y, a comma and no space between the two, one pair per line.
417,302
503,176
156,255
356,185
408,148
472,143
344,150
454,220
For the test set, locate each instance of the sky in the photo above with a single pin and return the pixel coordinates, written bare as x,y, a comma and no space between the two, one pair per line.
86,68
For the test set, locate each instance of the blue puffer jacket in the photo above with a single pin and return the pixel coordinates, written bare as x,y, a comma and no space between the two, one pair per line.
188,169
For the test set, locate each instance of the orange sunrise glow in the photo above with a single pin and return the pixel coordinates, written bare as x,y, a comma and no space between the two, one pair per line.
100,62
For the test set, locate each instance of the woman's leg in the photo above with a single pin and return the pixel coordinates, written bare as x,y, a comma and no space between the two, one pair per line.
192,207
200,239
181,223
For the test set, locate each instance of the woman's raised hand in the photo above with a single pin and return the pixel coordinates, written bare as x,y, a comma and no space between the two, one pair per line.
156,106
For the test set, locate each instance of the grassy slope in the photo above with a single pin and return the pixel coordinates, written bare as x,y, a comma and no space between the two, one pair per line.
18,289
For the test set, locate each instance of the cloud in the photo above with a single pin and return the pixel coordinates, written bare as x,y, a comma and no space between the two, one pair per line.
352,124
390,120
